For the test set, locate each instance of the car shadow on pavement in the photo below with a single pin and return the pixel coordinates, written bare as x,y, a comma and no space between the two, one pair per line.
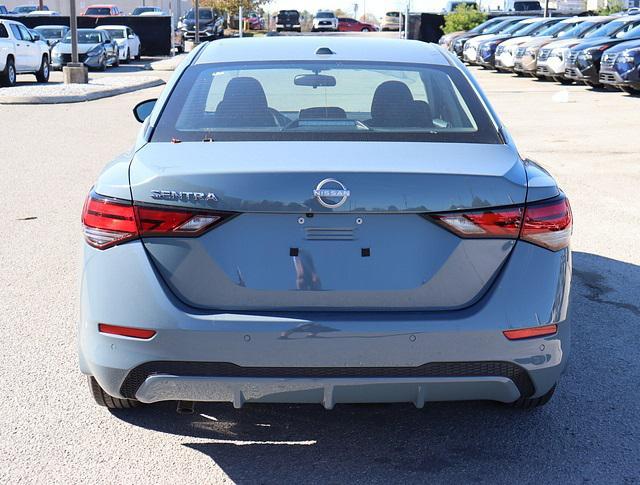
588,432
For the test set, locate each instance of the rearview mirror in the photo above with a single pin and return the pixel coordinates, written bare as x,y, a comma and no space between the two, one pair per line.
144,109
314,80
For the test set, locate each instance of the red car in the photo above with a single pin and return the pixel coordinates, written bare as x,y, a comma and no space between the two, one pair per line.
103,11
352,25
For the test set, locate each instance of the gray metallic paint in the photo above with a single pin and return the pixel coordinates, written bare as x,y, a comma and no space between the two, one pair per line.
122,286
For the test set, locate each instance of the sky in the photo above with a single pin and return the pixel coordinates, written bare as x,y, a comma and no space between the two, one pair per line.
377,7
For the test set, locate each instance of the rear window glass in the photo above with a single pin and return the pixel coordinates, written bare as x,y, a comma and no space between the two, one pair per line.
324,101
98,11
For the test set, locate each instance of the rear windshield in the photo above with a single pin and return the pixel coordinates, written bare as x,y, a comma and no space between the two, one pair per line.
285,101
98,11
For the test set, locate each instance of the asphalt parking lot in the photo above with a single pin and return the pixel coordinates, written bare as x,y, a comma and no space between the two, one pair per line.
51,431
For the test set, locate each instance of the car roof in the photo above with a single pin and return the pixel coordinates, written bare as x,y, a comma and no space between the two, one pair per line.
107,27
304,49
101,5
51,26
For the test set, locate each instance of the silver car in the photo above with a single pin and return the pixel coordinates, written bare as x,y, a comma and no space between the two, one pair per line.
324,220
96,50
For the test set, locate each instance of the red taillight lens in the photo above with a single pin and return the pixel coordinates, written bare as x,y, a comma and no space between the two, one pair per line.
107,222
499,223
141,333
532,332
548,224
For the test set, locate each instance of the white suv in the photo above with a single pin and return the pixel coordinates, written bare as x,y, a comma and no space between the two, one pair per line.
325,20
21,52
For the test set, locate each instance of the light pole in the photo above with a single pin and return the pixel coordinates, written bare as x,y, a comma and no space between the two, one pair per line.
240,22
75,72
196,39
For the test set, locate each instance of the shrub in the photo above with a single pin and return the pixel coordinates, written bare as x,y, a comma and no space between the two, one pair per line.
464,17
613,6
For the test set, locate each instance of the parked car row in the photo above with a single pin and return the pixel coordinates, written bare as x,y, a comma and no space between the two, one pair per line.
36,51
595,50
100,10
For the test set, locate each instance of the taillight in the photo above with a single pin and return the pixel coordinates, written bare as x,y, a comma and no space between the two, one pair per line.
499,223
532,332
107,222
548,224
132,332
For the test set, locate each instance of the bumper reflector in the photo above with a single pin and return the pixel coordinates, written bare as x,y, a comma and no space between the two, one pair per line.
532,332
141,333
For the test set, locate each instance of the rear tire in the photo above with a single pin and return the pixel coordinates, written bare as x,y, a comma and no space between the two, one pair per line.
630,90
127,59
42,76
562,80
529,403
110,402
8,76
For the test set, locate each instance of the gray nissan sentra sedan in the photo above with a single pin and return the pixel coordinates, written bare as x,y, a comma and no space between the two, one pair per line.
324,220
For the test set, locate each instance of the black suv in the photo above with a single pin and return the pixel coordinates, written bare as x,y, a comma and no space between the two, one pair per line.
211,24
288,20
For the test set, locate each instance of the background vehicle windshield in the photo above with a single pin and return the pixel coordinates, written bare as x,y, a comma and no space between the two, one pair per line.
204,14
515,27
583,29
531,29
50,33
84,37
98,11
116,33
607,30
324,15
324,101
139,10
557,30
634,33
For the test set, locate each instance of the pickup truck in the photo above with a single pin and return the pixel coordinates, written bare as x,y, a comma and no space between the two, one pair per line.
21,52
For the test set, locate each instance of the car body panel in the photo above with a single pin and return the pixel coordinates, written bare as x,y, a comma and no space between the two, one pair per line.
208,313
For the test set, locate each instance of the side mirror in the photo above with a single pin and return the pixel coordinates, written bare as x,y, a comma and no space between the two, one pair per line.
36,36
132,36
144,109
107,42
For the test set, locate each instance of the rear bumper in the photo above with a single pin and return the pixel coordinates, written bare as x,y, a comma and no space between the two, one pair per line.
323,357
327,392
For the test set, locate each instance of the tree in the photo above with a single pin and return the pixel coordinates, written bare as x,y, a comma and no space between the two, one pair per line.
613,6
232,6
464,17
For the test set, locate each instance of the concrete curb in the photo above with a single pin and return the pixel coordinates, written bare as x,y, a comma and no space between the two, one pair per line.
78,98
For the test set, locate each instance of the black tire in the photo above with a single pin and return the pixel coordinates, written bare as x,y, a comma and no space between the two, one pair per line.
562,80
8,76
116,62
137,57
127,59
42,76
110,402
529,403
103,65
365,30
630,90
